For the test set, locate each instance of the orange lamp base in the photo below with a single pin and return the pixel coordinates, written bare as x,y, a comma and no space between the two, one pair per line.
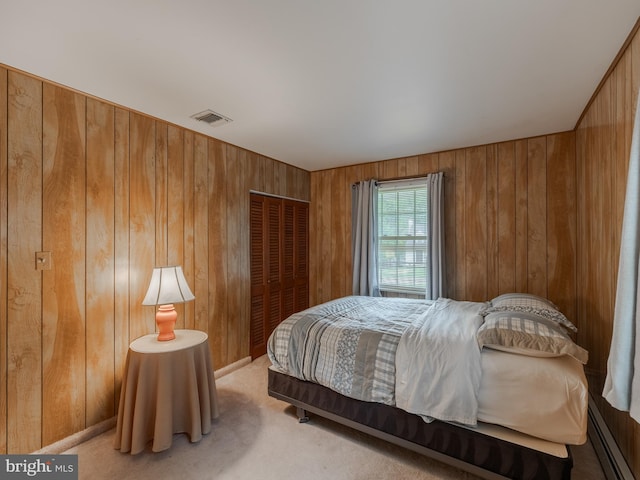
166,319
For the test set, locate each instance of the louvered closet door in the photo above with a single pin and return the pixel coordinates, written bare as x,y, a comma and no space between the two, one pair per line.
288,259
274,263
301,260
266,270
258,259
295,257
279,264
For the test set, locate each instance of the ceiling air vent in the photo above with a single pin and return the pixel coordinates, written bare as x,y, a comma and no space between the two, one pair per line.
211,117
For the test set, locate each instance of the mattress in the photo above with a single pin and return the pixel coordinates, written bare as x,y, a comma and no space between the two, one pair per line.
542,397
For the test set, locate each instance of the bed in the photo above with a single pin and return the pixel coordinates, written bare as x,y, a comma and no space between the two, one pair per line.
495,388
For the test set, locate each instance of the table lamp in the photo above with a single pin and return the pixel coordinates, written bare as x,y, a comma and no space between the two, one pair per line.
167,286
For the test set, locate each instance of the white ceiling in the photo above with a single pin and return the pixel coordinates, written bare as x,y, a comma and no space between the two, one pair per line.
323,83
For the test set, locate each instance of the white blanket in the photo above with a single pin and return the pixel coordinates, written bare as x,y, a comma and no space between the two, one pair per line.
438,365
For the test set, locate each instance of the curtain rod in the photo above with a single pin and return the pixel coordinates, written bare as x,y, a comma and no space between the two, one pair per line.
408,177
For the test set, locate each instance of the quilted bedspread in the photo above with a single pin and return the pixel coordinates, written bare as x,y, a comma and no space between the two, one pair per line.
350,345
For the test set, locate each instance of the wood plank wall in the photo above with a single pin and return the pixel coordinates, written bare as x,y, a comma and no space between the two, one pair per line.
111,193
603,140
510,219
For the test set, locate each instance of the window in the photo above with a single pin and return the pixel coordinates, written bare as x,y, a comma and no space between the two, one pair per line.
402,215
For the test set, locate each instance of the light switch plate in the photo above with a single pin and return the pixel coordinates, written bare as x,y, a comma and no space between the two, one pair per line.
43,260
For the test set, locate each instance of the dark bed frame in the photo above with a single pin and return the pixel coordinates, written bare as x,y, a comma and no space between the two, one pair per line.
482,455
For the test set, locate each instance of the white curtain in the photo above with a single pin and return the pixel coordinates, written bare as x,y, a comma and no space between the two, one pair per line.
364,232
622,385
436,286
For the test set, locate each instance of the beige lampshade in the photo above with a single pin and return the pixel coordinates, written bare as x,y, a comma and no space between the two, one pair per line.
167,286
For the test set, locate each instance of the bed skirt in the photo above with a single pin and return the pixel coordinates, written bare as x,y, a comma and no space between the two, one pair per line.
472,451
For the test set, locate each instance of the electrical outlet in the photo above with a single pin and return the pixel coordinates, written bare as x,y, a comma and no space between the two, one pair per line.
43,260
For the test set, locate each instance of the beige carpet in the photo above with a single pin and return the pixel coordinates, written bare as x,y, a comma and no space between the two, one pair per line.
259,437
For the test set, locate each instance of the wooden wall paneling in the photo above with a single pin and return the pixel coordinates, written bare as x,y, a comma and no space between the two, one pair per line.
592,282
598,285
282,181
410,166
256,174
521,232
24,283
301,188
314,232
142,216
352,174
188,209
63,287
493,259
277,182
447,164
291,179
340,204
506,217
175,206
200,287
580,226
3,261
218,287
121,190
607,270
429,163
400,166
537,216
475,224
389,169
459,291
273,181
584,200
175,194
367,172
161,200
237,266
262,174
295,181
325,204
239,333
234,191
456,289
100,268
561,221
579,181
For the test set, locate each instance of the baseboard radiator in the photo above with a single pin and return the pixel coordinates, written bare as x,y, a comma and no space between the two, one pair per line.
613,463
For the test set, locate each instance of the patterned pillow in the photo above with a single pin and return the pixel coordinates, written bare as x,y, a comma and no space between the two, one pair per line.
527,334
528,303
